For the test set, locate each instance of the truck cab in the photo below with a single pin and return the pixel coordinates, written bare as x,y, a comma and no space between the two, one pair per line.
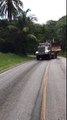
44,51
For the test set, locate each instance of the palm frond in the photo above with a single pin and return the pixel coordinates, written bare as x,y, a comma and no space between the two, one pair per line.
28,10
10,6
2,10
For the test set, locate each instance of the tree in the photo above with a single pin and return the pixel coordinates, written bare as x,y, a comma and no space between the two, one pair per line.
32,43
13,34
61,31
36,29
25,20
50,28
10,8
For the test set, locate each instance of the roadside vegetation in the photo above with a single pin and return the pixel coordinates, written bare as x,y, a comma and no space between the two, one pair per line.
63,54
8,60
22,36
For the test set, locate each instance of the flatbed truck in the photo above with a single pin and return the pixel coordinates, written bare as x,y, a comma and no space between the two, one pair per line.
47,50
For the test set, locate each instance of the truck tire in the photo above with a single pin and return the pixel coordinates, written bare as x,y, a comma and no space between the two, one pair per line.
37,57
49,56
55,55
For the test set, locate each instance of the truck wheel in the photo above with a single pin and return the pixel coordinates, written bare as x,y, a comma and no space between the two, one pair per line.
55,55
49,57
37,57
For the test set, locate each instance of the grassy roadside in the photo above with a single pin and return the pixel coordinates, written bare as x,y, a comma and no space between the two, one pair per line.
63,54
9,60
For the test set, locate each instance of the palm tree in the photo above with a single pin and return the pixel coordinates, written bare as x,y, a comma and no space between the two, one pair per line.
10,8
30,17
24,19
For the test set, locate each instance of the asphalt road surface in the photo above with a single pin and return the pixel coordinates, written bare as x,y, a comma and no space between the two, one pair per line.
22,91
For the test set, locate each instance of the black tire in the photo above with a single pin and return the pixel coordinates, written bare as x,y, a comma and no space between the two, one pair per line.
37,57
55,55
49,56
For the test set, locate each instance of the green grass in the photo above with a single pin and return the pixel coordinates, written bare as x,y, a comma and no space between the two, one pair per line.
9,60
63,53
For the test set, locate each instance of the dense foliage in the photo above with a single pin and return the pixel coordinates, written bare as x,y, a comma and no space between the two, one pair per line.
22,35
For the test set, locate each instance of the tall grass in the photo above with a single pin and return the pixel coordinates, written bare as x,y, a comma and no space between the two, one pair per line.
8,60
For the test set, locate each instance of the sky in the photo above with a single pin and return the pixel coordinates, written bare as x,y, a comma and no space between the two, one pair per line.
46,10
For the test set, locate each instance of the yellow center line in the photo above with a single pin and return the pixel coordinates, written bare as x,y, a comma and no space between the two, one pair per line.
43,111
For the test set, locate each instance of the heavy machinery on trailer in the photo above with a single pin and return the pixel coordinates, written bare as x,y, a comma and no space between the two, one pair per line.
48,50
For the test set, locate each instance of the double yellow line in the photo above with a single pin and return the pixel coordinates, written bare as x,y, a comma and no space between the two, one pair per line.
43,111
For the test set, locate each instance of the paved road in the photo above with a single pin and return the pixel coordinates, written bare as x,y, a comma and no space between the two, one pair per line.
21,91
56,90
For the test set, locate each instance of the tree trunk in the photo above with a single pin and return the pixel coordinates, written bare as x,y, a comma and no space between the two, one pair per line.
9,10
